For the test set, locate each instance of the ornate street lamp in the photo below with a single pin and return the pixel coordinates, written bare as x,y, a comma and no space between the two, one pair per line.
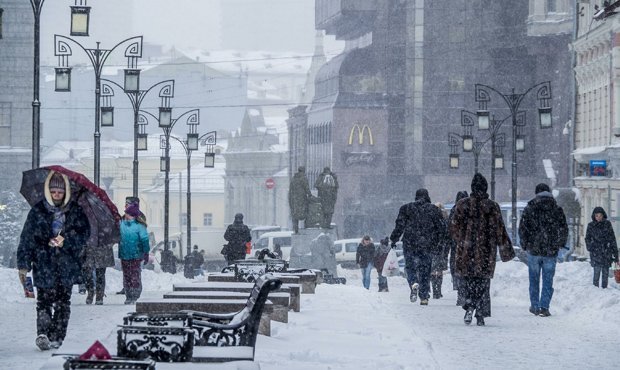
136,97
513,101
80,18
98,58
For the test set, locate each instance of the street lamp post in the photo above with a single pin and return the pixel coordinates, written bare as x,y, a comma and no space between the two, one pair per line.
98,57
166,122
190,145
135,97
475,146
37,6
513,101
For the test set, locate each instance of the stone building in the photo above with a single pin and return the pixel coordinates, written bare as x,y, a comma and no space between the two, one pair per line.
597,116
16,90
383,109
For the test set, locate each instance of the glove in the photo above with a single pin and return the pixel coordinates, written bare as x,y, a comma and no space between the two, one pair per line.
145,258
393,245
22,274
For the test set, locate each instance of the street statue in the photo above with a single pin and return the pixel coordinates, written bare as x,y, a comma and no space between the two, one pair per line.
327,186
324,254
298,197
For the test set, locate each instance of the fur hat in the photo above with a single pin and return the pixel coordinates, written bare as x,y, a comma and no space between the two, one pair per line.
479,184
57,182
542,187
133,210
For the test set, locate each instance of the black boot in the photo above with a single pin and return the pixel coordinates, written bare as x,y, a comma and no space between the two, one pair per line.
90,296
468,316
479,320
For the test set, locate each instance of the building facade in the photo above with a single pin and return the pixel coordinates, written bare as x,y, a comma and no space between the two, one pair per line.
383,109
597,116
16,90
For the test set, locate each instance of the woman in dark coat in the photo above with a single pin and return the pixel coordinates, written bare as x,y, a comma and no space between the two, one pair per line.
456,280
601,243
478,229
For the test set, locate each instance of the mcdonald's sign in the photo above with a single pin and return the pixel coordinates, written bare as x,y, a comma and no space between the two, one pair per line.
360,134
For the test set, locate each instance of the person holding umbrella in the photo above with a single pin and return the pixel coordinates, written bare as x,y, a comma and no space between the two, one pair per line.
51,243
132,250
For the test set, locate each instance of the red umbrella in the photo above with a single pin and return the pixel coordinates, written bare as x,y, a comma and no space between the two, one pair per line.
102,214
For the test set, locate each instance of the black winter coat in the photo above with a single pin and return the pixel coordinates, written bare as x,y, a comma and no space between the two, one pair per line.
601,241
421,226
237,234
365,254
52,265
543,230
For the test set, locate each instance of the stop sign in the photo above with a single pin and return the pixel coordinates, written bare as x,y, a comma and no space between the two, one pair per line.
269,183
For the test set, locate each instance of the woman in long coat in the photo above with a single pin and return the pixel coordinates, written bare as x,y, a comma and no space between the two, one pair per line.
478,229
601,243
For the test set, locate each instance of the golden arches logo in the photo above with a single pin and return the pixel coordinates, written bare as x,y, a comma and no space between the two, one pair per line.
360,134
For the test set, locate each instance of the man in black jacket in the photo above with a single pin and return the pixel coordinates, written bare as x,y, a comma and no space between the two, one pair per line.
421,226
236,235
543,231
50,245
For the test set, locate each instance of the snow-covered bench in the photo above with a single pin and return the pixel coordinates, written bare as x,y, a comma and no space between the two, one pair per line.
217,337
160,343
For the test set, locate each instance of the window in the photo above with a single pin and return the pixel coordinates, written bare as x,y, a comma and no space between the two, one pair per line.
351,247
284,242
5,124
1,11
207,219
183,219
551,6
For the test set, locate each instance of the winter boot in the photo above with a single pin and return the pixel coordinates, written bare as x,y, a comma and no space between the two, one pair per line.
413,296
43,342
544,312
89,297
479,320
468,316
383,283
56,344
424,302
534,311
100,295
122,291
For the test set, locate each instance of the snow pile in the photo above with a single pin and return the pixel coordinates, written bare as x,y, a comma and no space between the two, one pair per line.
348,327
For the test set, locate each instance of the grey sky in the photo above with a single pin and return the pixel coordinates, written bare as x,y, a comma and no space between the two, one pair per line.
273,25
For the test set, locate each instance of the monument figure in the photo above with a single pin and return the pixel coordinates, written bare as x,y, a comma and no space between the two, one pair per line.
299,197
327,186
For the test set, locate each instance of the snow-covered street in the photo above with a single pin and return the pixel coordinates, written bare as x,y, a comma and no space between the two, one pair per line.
347,327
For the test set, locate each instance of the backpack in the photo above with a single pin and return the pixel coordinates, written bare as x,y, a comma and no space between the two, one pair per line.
329,180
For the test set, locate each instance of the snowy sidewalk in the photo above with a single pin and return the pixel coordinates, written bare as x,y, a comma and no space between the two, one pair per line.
347,327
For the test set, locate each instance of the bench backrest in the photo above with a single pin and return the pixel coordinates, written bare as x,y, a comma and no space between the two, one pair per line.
256,303
250,270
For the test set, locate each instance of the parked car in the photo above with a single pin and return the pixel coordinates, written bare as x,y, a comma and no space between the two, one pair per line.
345,250
270,239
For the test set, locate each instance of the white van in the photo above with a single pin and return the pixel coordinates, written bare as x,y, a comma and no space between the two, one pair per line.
346,249
268,240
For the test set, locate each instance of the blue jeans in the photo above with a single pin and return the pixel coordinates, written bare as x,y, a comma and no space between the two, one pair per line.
418,269
366,275
535,265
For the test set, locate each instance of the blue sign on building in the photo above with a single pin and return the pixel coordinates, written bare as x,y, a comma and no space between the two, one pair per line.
598,168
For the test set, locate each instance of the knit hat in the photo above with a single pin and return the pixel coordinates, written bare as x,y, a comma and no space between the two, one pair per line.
542,187
133,210
422,194
239,217
479,184
57,182
132,200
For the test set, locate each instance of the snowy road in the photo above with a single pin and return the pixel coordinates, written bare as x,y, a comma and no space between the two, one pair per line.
346,327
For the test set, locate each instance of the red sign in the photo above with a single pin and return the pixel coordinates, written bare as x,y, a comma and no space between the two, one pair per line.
269,183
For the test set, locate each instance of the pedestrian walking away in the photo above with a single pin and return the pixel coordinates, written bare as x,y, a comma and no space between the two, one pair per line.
237,235
478,229
420,224
543,231
364,259
132,251
456,280
197,260
601,244
380,257
439,261
51,243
